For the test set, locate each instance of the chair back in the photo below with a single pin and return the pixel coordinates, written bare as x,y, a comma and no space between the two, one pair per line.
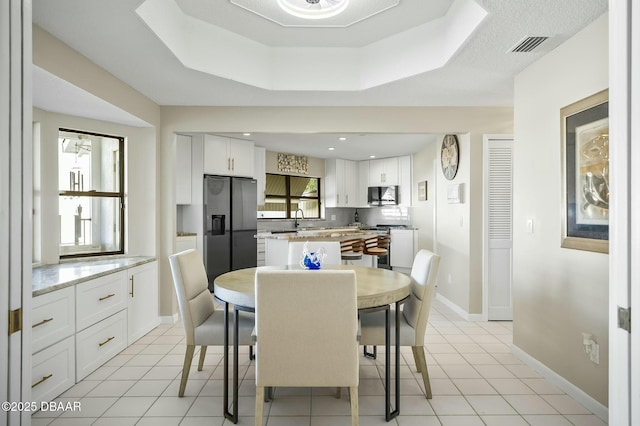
331,248
355,245
307,328
195,301
424,273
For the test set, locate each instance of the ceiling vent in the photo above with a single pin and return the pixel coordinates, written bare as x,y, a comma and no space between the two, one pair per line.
528,44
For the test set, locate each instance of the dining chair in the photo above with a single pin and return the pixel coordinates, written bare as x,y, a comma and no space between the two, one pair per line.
377,246
306,332
332,251
203,323
415,314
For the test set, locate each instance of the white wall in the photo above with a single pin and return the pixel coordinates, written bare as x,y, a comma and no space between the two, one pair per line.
558,293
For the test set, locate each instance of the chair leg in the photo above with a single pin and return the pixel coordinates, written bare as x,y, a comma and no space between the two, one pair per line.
421,364
188,356
415,357
203,353
259,405
353,396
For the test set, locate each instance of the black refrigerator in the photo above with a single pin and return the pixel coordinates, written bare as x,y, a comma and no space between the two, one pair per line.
230,224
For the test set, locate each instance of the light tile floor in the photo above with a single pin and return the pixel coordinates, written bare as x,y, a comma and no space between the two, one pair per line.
475,379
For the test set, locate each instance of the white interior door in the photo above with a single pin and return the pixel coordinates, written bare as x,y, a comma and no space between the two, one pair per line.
498,227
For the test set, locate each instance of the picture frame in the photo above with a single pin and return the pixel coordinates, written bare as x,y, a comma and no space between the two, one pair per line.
422,191
585,174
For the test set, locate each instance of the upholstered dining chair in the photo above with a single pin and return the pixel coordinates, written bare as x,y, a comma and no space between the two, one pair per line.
203,323
306,332
415,314
331,248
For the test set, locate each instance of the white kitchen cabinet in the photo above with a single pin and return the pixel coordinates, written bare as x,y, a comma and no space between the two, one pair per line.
186,242
341,183
276,251
405,180
183,169
53,318
260,173
383,172
363,183
53,370
99,298
228,157
99,343
404,245
142,300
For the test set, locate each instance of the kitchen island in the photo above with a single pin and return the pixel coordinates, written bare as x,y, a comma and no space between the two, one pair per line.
277,243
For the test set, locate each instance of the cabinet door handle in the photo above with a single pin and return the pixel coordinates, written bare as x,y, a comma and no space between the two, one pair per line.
38,324
106,341
106,297
347,197
233,164
44,379
337,198
132,286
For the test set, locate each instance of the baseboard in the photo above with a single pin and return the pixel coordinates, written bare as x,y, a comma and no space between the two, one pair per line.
563,384
458,310
169,319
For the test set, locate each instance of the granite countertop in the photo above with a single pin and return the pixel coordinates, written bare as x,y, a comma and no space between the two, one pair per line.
320,235
47,278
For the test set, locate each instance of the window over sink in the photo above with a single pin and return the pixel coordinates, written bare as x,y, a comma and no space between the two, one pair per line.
91,193
285,194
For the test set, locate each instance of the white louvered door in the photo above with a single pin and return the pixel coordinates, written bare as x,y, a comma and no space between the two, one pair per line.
498,234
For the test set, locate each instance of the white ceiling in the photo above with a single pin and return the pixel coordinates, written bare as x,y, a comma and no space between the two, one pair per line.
480,73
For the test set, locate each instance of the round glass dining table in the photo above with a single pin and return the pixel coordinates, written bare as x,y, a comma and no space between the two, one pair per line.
378,289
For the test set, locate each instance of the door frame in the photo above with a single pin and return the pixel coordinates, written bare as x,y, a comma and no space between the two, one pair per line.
486,140
16,194
624,247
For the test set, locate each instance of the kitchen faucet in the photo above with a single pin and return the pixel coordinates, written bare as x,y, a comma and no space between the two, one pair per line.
295,221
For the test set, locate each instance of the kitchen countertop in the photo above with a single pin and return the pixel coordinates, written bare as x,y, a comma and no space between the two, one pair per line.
339,234
47,278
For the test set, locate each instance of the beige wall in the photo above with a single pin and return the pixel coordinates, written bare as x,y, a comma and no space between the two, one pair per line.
558,293
423,211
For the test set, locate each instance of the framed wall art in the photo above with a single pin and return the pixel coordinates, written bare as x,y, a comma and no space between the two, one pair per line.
585,174
422,191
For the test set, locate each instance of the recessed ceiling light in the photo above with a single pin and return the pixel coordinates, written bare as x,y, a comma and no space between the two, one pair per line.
342,138
313,9
372,156
331,148
246,134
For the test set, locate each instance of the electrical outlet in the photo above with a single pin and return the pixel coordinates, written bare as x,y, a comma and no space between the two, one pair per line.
333,217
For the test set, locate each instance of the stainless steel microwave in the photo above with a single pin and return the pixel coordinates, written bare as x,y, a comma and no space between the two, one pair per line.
382,195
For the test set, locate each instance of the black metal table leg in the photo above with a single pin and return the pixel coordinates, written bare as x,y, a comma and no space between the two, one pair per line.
233,416
390,414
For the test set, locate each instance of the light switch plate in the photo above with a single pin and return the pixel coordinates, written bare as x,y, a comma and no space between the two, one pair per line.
530,225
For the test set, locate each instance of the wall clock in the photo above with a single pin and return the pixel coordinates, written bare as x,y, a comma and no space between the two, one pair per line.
449,156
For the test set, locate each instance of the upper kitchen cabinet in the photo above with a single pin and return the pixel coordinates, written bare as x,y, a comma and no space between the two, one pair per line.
260,173
383,172
341,183
228,157
183,169
405,180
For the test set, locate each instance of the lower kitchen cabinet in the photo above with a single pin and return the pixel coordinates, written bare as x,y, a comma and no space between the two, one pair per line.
53,370
76,329
142,301
404,245
53,318
99,343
